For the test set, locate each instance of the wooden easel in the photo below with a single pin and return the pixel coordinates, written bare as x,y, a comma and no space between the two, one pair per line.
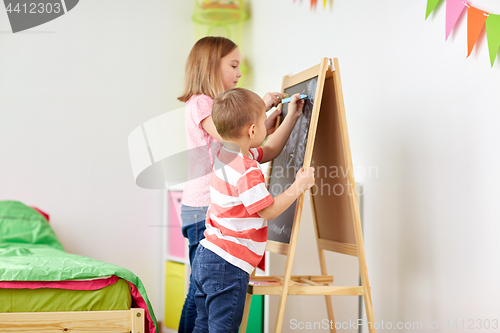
336,217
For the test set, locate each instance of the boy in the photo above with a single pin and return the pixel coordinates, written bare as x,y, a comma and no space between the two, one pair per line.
236,226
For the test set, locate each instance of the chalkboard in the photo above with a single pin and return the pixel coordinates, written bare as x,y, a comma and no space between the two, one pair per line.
291,159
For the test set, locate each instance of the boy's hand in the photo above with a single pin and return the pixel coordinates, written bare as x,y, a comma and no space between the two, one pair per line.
305,179
272,99
296,106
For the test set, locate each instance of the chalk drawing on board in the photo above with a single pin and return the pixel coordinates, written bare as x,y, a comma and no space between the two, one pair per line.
294,151
290,160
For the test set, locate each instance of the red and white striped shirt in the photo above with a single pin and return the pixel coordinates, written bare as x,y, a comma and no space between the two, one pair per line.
238,191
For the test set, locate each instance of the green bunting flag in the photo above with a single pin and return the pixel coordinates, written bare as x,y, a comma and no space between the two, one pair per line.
493,35
431,5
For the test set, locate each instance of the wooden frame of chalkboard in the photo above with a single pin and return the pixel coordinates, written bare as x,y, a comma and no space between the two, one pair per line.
335,214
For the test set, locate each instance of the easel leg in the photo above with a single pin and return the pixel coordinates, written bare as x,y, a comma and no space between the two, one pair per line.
287,276
281,313
246,312
364,279
369,310
328,298
329,308
322,263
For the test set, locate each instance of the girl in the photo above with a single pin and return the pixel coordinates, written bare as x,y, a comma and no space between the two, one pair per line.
212,67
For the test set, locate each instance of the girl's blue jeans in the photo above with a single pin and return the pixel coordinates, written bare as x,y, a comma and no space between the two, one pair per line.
193,226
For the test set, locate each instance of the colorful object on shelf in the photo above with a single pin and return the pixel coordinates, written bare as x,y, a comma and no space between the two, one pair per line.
176,241
219,13
453,10
174,293
228,4
477,19
256,315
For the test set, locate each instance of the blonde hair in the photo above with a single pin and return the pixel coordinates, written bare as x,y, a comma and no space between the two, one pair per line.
234,109
203,74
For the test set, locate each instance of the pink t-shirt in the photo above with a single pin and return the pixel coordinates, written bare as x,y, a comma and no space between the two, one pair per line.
202,148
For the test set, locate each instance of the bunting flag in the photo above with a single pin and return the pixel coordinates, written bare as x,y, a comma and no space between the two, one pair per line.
477,19
475,23
453,10
431,5
493,35
313,4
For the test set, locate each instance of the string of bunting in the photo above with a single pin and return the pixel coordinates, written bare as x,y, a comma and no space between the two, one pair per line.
476,20
315,2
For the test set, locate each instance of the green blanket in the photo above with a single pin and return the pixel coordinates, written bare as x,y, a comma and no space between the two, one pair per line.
30,251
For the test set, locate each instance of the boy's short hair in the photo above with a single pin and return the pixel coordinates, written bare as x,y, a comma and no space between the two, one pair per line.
234,109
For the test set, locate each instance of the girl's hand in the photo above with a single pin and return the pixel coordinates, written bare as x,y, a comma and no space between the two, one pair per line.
271,122
272,99
296,106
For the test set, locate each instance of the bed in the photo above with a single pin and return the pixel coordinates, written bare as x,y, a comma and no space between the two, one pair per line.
45,289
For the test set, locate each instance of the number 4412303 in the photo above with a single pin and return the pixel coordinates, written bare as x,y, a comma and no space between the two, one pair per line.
35,8
472,324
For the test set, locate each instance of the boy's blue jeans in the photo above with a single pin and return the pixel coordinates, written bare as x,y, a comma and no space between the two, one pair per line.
220,295
193,226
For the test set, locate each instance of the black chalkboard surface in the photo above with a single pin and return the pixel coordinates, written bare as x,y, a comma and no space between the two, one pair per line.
287,164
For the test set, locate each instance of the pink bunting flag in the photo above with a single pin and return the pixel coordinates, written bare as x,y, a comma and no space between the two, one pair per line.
454,9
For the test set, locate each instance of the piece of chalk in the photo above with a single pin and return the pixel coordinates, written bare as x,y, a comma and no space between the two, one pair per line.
287,100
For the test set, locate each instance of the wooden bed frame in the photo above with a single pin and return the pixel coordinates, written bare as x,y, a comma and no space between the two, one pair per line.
120,321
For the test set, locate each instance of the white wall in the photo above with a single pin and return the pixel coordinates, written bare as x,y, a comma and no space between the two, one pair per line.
427,119
71,91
